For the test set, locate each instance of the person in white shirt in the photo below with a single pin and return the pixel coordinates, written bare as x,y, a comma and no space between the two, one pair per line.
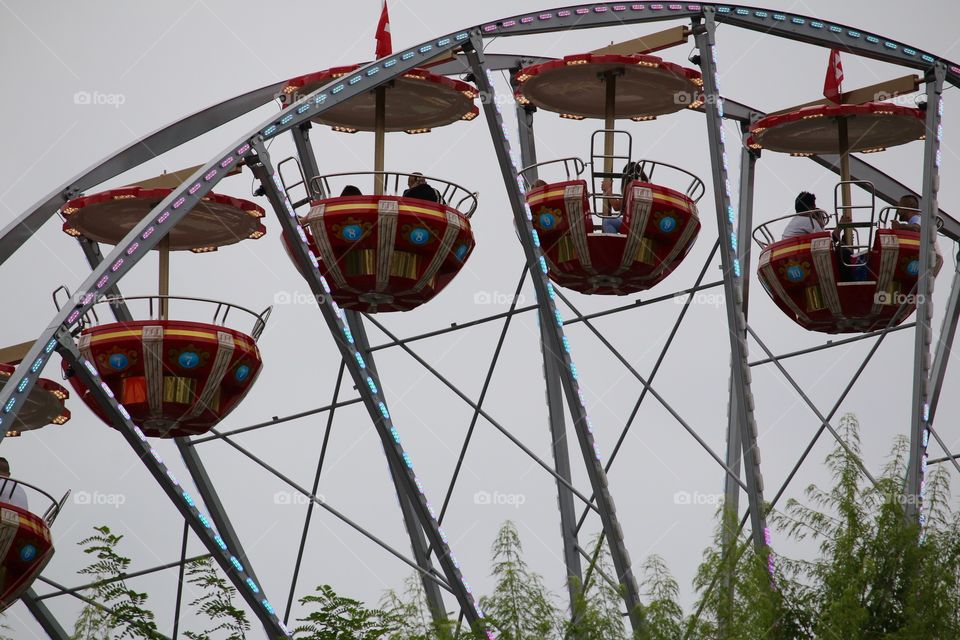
10,490
908,214
809,219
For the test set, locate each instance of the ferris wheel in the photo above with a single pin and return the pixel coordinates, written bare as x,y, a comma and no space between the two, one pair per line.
376,242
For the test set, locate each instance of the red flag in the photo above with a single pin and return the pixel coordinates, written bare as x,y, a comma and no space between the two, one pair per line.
384,43
831,85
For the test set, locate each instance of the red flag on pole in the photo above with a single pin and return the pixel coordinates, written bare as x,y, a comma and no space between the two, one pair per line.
832,83
384,43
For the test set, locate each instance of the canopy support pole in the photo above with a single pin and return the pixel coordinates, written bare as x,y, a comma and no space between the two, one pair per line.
845,196
609,122
164,284
380,130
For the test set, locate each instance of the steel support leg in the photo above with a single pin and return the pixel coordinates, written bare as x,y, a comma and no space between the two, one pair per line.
308,160
732,268
528,146
211,499
40,612
365,380
561,460
731,490
556,347
945,344
414,529
923,335
236,571
554,396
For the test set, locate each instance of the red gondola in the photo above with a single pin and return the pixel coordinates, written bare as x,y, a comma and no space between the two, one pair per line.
861,276
26,545
27,550
174,377
804,275
658,229
590,245
387,250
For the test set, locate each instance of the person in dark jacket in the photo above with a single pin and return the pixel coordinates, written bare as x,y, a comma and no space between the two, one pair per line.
417,187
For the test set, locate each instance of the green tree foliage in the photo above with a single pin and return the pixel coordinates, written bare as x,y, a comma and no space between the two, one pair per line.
661,611
600,616
871,575
126,615
520,607
215,603
411,607
877,575
93,623
335,617
736,595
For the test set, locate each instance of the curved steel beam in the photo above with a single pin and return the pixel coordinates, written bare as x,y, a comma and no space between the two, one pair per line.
15,234
783,24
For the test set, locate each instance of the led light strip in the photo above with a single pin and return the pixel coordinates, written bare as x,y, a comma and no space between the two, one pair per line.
930,230
730,259
617,13
510,163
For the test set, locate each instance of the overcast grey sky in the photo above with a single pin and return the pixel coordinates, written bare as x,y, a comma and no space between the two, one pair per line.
164,61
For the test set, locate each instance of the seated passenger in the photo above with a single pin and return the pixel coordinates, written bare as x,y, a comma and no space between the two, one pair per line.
809,219
538,184
908,214
10,490
418,188
631,172
350,190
